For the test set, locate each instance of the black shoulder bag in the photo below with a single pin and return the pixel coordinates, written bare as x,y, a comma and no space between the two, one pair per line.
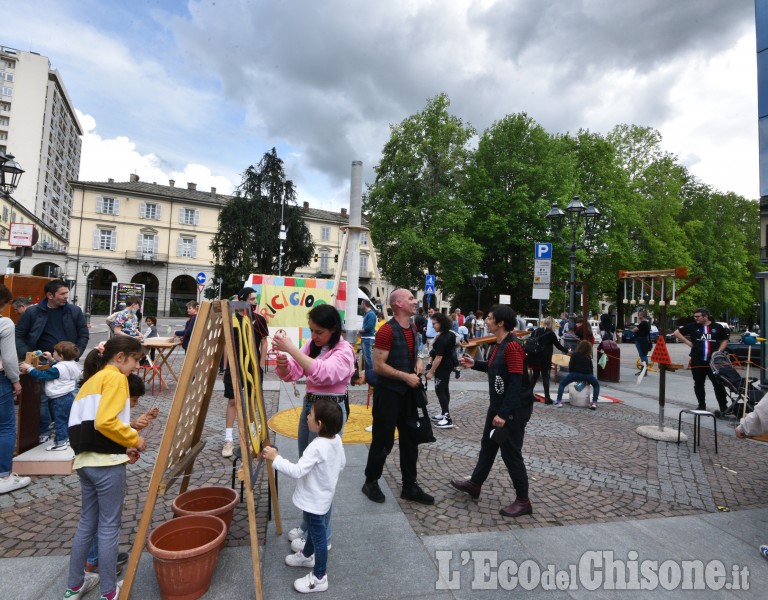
419,422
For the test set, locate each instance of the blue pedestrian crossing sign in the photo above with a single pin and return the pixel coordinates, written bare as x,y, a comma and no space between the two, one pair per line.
430,289
201,278
430,283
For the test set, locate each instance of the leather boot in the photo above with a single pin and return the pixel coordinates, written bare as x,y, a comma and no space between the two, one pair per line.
520,507
467,486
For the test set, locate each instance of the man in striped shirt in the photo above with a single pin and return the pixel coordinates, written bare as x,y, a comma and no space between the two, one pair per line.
510,410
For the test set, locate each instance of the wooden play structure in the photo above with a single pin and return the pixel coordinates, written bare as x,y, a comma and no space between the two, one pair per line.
220,327
661,284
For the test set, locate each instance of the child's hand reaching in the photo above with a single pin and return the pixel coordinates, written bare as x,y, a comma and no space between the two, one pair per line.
25,366
269,452
142,445
48,356
152,413
143,420
133,455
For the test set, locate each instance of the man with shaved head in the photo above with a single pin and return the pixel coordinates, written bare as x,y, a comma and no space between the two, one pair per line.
397,363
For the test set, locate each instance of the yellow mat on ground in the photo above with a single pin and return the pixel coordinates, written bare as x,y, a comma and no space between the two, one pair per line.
286,423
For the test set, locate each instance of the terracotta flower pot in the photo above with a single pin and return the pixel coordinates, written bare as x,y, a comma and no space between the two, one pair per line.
185,551
217,501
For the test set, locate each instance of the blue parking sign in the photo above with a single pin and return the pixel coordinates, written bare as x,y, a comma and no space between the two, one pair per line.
542,251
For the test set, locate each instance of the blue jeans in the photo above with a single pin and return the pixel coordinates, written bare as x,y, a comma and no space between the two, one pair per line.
571,377
7,426
317,541
305,437
62,405
642,344
367,345
46,412
103,493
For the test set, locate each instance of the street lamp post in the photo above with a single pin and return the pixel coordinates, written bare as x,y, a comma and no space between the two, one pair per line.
577,216
479,282
10,173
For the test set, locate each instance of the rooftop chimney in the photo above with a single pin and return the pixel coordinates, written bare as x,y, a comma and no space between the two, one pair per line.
306,206
110,180
134,178
191,186
171,182
343,212
213,191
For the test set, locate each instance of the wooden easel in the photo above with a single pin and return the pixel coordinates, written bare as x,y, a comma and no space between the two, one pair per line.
182,437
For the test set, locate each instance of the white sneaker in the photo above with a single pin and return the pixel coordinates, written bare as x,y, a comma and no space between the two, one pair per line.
309,583
13,482
295,533
43,438
91,581
438,417
299,560
446,423
298,544
228,449
58,447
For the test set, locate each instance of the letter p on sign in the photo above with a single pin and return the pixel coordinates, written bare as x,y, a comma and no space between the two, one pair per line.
543,250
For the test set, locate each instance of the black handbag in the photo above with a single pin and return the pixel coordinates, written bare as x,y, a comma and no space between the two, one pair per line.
419,423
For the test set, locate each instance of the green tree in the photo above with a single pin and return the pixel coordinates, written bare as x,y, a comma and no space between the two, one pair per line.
247,237
416,212
516,171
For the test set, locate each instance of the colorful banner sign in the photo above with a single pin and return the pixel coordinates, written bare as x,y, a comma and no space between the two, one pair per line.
285,301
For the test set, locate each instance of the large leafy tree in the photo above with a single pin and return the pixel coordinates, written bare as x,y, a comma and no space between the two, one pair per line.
516,171
247,238
415,209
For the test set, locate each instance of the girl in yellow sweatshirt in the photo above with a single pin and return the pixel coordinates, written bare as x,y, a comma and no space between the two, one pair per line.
100,434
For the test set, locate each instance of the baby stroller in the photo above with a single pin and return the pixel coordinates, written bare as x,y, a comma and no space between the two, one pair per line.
735,385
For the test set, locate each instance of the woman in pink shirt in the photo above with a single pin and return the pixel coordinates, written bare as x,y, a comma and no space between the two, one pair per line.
328,363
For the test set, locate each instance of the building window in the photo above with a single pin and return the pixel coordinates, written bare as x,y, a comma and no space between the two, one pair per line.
5,213
325,234
149,210
363,265
324,260
187,247
104,239
107,206
189,216
4,121
147,245
6,76
363,238
6,91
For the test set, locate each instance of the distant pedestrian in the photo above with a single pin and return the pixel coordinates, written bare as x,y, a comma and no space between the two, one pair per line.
606,327
21,304
540,364
642,339
186,333
443,363
580,369
510,409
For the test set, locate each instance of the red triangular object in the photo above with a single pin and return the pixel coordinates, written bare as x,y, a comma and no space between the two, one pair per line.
660,353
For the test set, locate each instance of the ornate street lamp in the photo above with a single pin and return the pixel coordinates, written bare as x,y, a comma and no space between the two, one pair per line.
479,282
10,173
578,217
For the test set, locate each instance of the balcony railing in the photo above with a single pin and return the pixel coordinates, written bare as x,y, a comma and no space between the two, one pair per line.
49,247
137,256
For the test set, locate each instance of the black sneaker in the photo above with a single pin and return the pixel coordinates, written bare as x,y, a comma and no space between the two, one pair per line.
373,491
416,494
445,423
458,373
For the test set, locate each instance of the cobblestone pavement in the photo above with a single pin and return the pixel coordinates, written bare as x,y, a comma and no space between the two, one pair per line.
584,467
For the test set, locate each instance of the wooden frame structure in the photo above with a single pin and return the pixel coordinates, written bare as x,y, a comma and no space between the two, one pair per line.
217,329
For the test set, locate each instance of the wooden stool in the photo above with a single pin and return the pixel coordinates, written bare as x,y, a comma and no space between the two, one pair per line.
697,414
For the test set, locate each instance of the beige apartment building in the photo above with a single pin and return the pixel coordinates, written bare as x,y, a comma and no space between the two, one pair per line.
160,236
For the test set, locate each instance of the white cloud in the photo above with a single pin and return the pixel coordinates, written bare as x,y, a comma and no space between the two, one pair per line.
117,158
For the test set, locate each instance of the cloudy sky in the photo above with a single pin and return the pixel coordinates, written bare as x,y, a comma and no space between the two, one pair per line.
197,90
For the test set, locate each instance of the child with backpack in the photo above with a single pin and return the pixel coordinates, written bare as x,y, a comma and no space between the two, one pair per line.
580,369
317,473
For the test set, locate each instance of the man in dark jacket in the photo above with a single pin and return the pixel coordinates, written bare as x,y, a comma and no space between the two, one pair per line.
44,325
186,333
